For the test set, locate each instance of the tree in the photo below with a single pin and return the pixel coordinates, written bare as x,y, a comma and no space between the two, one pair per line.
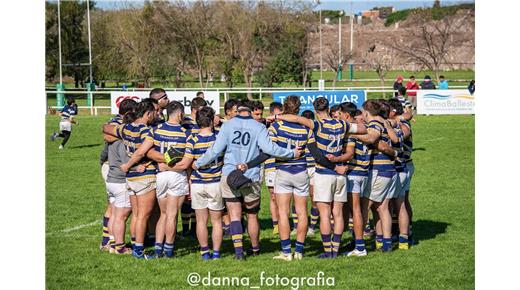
380,59
430,38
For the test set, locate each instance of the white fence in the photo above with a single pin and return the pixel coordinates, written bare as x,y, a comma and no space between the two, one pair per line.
225,92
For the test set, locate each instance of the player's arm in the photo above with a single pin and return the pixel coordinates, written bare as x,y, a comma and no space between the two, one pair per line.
405,127
138,155
349,153
182,165
269,147
386,149
370,137
295,119
391,133
155,156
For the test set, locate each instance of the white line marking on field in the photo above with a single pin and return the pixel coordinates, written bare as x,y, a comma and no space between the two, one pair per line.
76,228
436,139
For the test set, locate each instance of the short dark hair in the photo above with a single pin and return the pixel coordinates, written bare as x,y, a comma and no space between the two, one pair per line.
198,103
127,105
174,107
275,105
146,105
334,109
441,76
156,91
248,104
154,101
396,106
384,111
291,105
321,104
70,100
230,104
348,108
308,114
372,107
200,93
411,77
204,117
258,105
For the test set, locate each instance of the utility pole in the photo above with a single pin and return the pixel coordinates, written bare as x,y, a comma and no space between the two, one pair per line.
351,28
321,54
59,40
339,76
89,41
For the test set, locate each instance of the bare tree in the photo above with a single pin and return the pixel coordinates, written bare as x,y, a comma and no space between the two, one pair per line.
429,41
381,60
332,60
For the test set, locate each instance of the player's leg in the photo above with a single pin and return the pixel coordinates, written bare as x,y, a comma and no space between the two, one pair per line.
300,202
339,198
122,209
294,219
216,206
402,213
324,209
174,203
145,191
160,227
105,240
386,224
234,206
252,208
314,207
185,216
226,222
202,232
283,200
66,136
273,209
133,220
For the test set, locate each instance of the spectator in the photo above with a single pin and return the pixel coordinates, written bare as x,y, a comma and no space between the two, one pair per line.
427,84
443,83
471,87
412,85
398,85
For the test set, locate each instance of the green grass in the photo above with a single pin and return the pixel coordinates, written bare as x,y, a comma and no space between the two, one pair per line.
442,194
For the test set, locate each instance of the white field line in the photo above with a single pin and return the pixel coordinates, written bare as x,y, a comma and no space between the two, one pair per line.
436,139
76,227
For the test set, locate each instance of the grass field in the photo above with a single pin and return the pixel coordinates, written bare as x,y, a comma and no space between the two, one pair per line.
442,194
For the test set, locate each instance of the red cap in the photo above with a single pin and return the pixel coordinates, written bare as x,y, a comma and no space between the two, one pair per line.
399,78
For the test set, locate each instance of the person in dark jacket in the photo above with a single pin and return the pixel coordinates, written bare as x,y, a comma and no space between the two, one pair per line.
398,86
471,87
427,84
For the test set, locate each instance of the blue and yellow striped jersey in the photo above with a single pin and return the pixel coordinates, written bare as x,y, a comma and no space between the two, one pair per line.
330,135
308,157
291,135
116,120
167,135
399,162
195,148
359,163
378,160
407,143
133,135
270,165
190,125
68,111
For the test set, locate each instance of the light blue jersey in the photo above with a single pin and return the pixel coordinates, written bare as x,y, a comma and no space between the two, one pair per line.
243,138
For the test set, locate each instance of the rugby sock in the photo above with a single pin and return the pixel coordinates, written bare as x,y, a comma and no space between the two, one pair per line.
225,227
204,253
193,224
168,250
106,235
132,241
159,248
379,241
314,217
120,248
275,223
138,248
387,244
327,245
236,236
294,217
360,245
111,240
215,255
185,216
299,247
336,241
403,242
286,246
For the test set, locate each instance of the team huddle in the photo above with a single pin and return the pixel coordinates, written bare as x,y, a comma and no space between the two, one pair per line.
345,162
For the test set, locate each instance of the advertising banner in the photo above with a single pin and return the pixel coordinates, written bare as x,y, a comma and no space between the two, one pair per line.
334,97
445,102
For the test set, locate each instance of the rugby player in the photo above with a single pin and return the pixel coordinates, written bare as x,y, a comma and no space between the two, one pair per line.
116,183
242,138
189,221
311,168
275,108
141,184
172,186
67,114
205,184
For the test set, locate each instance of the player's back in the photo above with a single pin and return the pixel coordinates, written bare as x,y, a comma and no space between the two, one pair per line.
378,160
330,138
291,135
167,135
195,148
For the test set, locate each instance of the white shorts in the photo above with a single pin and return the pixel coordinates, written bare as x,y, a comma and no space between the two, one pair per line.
330,187
356,184
65,126
286,182
120,193
310,171
141,186
411,169
206,195
269,178
247,194
399,185
172,183
380,187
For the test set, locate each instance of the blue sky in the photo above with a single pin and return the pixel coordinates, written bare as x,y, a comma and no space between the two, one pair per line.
357,6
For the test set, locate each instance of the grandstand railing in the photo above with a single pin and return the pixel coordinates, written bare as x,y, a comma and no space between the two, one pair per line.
225,92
